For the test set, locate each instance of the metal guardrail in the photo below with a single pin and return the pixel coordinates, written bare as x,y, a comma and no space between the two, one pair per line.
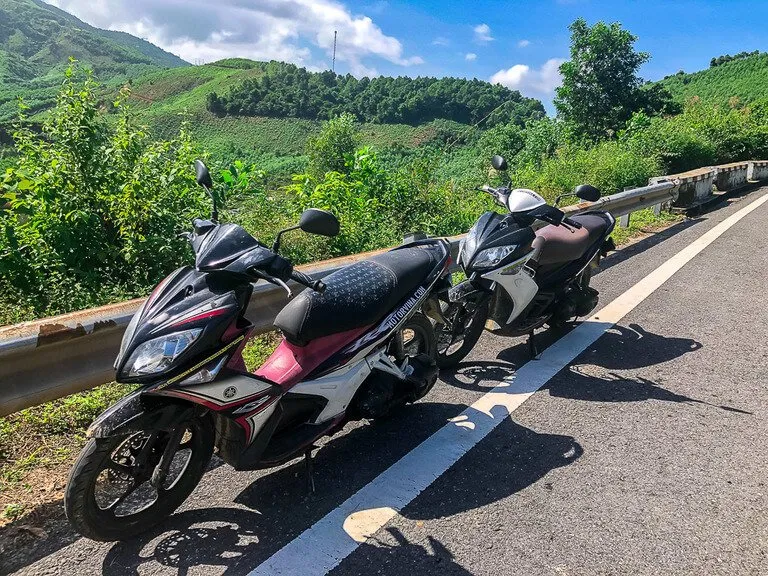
53,357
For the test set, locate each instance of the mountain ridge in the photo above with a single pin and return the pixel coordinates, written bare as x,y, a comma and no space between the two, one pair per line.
744,76
37,40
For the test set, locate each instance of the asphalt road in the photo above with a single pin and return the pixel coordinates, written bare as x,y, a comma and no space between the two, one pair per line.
647,455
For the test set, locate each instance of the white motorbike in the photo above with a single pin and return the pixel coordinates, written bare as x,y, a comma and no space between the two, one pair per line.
520,278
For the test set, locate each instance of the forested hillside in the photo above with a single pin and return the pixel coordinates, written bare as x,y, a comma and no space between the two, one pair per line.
285,90
37,40
743,77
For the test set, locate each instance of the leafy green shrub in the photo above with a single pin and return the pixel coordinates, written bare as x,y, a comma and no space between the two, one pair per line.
609,166
703,135
93,207
329,151
677,145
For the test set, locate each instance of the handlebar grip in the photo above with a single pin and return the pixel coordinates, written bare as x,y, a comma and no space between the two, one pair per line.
304,280
572,223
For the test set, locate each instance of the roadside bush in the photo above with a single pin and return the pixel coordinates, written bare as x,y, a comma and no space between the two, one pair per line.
703,135
92,207
377,206
609,166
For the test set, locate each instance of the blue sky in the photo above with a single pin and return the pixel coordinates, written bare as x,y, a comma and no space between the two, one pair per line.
519,44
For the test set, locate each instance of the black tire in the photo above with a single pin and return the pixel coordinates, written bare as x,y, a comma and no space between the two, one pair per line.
427,351
103,524
424,334
473,326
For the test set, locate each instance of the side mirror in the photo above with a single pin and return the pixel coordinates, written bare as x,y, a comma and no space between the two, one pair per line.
587,192
499,163
322,222
202,175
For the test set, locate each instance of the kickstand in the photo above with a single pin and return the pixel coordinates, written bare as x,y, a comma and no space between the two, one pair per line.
308,469
534,351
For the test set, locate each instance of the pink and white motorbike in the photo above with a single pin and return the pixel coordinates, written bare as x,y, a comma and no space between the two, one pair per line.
356,345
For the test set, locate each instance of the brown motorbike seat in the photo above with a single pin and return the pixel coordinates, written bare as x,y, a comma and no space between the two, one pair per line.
565,244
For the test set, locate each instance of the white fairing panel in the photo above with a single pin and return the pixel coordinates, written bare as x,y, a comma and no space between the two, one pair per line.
338,387
523,199
519,285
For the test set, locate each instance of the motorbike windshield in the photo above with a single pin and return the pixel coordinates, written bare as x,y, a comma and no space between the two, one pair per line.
221,246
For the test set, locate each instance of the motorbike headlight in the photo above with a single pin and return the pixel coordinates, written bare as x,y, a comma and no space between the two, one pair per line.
490,257
158,354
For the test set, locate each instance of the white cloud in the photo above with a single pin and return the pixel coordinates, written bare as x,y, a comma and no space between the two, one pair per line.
441,41
471,57
482,33
529,81
524,43
286,30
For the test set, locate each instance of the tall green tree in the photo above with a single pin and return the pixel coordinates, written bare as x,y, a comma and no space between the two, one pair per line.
601,89
332,148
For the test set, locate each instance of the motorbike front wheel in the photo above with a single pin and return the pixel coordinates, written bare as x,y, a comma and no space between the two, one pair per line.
110,494
465,326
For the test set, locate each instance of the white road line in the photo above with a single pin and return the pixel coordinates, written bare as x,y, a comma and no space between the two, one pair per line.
323,546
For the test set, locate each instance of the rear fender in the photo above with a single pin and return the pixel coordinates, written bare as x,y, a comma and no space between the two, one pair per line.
131,415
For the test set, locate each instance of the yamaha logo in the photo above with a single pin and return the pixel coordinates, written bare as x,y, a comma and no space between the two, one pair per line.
230,392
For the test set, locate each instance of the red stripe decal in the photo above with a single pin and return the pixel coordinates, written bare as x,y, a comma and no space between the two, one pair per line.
203,316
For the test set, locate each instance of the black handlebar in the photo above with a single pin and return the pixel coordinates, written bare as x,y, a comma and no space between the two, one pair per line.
304,280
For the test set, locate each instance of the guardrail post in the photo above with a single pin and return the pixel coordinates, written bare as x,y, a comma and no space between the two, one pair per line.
624,221
657,209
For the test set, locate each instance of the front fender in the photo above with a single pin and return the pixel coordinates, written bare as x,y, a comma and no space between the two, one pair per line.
469,292
131,415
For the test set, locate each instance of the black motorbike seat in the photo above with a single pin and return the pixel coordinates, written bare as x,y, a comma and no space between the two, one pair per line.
357,295
565,244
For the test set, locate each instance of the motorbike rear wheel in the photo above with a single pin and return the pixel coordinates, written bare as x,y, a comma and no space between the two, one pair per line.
109,495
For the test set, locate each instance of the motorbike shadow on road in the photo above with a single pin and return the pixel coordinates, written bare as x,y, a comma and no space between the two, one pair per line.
393,553
510,459
218,538
592,376
275,508
631,347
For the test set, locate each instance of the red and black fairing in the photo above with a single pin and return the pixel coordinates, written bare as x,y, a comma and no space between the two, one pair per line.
383,329
186,299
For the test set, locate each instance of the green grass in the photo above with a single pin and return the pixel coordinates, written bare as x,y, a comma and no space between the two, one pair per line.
643,222
259,349
46,437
